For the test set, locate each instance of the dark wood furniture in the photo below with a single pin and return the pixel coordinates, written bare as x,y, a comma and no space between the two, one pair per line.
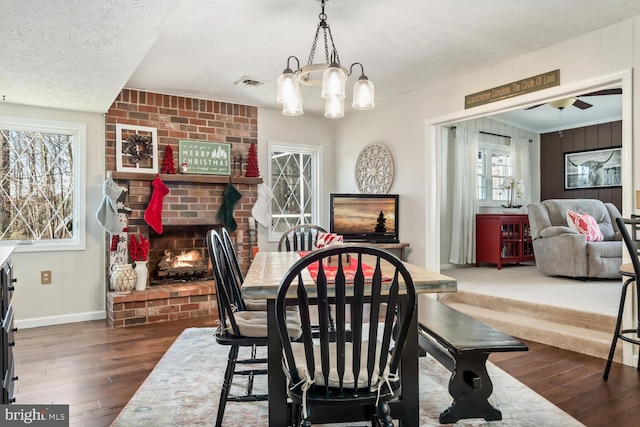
462,344
632,271
7,341
503,239
262,282
301,237
321,372
231,309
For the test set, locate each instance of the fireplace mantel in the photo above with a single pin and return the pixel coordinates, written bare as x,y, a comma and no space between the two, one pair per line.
197,179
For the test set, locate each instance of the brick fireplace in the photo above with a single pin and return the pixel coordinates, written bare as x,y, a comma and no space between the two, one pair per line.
191,206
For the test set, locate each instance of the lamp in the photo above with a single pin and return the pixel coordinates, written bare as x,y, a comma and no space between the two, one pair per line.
333,80
561,104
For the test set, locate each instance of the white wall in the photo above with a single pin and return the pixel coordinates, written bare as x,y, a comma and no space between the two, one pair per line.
77,289
401,124
305,130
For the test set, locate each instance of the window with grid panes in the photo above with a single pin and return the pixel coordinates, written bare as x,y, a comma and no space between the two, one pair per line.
40,184
494,165
294,183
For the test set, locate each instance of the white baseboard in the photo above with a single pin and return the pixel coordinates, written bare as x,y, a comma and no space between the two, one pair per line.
58,320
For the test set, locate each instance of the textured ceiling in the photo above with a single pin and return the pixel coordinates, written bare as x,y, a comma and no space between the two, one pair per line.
79,54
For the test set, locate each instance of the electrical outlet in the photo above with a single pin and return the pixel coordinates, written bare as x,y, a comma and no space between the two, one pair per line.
45,277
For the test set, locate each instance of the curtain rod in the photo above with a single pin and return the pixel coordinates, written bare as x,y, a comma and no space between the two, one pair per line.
492,134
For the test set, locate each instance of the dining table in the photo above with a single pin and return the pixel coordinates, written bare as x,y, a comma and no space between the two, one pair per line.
262,282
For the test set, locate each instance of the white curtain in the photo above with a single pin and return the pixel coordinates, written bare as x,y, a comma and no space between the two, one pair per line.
465,205
520,167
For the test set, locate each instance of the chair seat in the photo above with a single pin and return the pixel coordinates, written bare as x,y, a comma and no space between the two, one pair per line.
255,304
348,380
253,324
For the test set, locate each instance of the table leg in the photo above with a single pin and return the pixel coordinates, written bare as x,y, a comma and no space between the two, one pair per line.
276,381
410,377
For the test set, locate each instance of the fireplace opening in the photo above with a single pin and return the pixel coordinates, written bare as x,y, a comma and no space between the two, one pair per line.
179,254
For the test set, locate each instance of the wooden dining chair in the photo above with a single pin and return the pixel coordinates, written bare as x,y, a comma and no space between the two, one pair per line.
630,335
239,327
301,237
231,252
368,341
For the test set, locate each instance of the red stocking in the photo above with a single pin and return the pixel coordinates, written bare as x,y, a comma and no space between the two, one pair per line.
153,213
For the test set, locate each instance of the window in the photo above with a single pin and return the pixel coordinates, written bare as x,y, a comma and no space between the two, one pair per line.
494,165
41,184
293,171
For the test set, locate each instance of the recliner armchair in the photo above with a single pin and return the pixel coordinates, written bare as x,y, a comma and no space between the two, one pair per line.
562,251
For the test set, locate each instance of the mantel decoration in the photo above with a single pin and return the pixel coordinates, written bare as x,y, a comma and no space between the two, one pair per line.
514,188
136,149
139,253
374,169
333,79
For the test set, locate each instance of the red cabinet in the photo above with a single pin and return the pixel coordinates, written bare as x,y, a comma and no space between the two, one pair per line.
503,239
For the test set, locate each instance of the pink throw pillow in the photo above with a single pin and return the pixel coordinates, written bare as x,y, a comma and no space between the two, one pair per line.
585,224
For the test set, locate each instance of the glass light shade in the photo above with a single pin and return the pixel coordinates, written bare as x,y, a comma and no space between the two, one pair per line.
333,82
287,87
334,108
293,106
363,94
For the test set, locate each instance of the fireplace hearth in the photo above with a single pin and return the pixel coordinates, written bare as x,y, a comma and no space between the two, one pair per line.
179,254
188,265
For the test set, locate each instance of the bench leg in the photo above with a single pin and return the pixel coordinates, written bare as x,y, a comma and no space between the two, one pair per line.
470,386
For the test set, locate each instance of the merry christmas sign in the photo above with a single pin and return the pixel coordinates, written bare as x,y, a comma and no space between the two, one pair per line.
204,157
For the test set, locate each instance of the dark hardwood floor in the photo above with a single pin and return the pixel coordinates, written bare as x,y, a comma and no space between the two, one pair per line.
96,370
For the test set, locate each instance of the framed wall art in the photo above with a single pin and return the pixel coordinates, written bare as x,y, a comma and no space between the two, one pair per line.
136,149
204,157
593,169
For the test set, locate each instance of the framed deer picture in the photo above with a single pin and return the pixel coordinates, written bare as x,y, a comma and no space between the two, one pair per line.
593,168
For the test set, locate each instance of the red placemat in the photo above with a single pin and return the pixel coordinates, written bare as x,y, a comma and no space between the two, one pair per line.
348,268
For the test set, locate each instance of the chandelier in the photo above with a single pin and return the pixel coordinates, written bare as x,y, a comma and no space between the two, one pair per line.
332,79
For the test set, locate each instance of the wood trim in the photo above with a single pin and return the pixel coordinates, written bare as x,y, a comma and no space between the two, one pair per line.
196,179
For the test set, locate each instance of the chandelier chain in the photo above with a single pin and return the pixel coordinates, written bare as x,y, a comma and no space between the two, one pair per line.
312,54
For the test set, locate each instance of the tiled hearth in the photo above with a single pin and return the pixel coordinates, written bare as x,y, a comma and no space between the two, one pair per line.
162,303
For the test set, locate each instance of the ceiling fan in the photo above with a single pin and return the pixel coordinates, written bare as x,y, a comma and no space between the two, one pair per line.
561,104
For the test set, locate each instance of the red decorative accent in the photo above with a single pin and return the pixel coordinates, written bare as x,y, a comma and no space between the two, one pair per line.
138,251
585,224
167,163
153,213
252,162
349,270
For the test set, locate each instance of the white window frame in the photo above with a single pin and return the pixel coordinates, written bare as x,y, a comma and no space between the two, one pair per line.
491,148
79,132
316,153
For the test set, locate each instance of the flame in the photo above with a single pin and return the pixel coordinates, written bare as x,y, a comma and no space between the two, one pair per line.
187,259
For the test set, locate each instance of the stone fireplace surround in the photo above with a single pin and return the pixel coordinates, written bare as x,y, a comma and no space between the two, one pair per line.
192,199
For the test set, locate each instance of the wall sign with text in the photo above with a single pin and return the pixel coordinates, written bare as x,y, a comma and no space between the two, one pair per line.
520,87
204,157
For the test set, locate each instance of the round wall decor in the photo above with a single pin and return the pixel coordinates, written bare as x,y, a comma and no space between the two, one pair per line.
374,169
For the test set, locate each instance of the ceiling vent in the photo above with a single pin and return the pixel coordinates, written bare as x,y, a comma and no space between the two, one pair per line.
249,81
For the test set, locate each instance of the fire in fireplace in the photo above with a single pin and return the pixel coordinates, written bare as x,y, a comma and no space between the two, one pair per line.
179,254
187,265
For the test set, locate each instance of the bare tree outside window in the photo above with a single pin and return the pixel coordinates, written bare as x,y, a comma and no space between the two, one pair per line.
36,184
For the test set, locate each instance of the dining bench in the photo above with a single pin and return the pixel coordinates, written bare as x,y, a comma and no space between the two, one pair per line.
462,344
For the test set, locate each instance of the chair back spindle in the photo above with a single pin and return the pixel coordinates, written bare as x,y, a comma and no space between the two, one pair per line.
357,363
301,237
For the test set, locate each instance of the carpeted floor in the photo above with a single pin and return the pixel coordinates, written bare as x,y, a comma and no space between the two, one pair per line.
183,390
524,282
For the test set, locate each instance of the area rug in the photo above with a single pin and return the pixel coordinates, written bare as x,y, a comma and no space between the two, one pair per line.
184,388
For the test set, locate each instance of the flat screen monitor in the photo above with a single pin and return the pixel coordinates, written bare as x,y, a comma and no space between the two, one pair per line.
365,217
